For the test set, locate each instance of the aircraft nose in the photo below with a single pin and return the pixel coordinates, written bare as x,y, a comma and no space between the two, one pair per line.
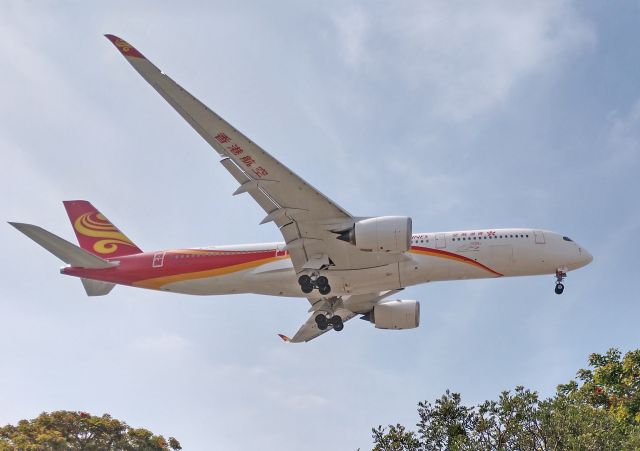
585,256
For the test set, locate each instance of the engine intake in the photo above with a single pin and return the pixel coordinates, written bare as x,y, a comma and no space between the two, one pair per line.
380,234
396,314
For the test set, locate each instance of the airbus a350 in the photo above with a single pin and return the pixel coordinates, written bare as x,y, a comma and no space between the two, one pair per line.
345,265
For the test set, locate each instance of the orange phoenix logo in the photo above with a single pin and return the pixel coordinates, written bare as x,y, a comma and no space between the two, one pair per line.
95,225
123,45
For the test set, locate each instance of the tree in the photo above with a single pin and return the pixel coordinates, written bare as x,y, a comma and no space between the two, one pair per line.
65,430
601,412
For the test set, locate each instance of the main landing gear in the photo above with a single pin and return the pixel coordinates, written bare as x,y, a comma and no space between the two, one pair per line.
560,275
308,283
323,321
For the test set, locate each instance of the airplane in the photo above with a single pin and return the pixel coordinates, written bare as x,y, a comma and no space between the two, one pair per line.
344,265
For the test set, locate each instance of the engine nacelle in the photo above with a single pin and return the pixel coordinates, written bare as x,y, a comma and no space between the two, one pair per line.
381,234
396,314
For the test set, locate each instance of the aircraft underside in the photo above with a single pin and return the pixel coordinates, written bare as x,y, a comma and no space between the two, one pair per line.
343,264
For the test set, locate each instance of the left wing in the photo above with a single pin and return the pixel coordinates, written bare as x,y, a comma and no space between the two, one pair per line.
305,216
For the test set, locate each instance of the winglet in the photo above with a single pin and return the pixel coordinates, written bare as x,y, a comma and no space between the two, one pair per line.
125,48
285,338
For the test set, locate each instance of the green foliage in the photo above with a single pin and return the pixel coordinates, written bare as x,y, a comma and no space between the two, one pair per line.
64,430
601,412
396,438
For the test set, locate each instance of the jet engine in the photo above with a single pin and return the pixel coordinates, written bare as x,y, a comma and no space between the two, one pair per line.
380,234
396,314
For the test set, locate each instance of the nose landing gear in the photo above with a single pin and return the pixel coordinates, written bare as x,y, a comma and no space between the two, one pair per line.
308,283
560,275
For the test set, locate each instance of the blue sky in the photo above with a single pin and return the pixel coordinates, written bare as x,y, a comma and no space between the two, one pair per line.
460,115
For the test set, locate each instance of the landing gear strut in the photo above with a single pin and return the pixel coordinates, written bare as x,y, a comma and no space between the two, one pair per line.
323,321
308,283
560,275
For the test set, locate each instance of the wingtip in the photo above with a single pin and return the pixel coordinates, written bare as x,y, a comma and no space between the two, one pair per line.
284,338
22,226
125,48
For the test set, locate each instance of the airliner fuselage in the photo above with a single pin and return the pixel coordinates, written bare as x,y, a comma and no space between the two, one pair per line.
267,268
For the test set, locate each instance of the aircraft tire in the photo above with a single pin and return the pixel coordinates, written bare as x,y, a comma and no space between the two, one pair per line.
321,321
559,288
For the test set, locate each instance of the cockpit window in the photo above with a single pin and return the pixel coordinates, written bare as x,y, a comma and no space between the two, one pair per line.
566,238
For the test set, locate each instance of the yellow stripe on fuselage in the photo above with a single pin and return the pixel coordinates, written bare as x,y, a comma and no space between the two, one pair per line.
158,282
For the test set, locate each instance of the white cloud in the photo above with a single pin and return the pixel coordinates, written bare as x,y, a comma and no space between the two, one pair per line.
467,57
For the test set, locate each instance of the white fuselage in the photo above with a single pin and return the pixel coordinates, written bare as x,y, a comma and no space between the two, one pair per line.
474,254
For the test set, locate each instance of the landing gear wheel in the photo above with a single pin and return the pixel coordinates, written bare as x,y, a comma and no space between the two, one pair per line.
304,280
324,289
322,281
337,323
322,321
306,289
561,273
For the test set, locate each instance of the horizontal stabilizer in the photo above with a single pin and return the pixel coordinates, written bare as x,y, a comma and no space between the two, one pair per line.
97,287
61,248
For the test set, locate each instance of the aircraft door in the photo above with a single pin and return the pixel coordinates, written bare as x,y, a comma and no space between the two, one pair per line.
539,235
158,260
441,240
280,250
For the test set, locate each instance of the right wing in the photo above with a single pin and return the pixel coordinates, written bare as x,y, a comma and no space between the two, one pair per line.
305,216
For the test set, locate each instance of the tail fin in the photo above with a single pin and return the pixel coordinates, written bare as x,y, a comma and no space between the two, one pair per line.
95,233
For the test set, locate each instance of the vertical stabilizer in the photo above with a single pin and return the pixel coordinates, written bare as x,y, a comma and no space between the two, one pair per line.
96,233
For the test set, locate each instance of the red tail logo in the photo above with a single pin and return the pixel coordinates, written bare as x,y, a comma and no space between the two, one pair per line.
96,233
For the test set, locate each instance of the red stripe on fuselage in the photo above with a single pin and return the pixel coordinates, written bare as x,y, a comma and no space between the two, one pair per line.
451,256
135,269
